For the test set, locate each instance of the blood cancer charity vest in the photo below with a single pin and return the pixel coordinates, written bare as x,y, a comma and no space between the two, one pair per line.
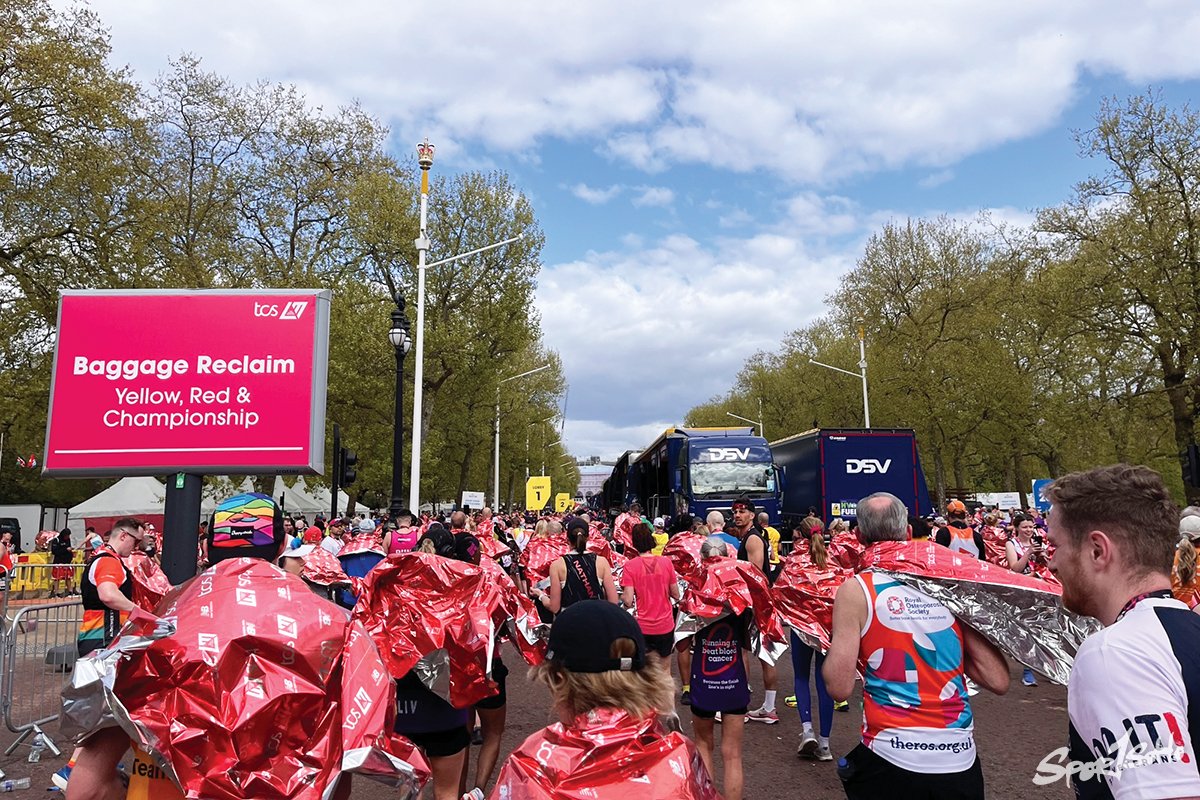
718,680
915,709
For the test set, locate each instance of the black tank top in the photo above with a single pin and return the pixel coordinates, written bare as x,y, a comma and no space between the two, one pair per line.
743,553
582,582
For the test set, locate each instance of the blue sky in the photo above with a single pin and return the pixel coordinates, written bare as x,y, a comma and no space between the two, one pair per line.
703,171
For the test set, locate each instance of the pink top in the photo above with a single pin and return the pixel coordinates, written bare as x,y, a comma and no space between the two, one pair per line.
403,540
651,578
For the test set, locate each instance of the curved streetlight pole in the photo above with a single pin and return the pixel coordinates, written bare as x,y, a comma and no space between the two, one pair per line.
496,469
862,373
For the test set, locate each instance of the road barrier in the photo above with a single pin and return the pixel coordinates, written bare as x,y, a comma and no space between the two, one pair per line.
38,649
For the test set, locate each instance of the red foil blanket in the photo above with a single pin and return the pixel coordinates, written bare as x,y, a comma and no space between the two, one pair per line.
247,685
729,586
440,617
606,754
803,595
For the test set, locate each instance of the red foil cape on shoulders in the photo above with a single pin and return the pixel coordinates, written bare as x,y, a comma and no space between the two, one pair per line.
440,617
246,684
606,754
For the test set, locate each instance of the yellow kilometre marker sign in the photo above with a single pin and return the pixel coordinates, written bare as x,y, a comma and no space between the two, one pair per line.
562,502
537,492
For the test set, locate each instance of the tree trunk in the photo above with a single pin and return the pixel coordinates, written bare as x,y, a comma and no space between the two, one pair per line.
1182,413
939,478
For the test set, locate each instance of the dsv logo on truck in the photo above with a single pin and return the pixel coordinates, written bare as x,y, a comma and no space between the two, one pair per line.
867,466
292,310
727,453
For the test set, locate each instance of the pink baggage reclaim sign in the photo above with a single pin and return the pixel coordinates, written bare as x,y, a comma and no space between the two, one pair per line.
211,382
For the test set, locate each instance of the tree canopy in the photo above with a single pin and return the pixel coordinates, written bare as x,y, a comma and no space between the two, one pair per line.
195,182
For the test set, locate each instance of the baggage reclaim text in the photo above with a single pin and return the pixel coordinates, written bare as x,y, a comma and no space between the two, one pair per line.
166,368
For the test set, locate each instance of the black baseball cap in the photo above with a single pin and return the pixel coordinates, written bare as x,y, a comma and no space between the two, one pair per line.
582,635
575,524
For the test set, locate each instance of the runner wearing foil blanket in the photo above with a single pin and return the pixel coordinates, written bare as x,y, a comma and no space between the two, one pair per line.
917,736
578,575
720,688
436,727
248,525
610,697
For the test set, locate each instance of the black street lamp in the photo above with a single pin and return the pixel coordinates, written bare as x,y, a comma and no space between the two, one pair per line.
401,341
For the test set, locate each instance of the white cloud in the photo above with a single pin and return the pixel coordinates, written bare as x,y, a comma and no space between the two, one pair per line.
595,196
806,91
667,326
591,437
935,179
658,196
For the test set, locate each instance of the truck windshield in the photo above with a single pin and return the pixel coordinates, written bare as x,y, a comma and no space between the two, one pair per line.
734,477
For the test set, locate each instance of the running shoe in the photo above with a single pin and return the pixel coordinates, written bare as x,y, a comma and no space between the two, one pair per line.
972,689
808,745
717,717
477,736
1028,679
844,705
824,754
61,777
685,698
790,702
762,715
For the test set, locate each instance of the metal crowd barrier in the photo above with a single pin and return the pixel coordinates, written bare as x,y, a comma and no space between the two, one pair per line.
38,650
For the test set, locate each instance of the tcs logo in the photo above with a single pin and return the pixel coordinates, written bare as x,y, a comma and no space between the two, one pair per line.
292,310
867,466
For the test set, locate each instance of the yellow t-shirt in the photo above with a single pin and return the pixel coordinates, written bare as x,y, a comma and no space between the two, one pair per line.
660,541
773,541
148,782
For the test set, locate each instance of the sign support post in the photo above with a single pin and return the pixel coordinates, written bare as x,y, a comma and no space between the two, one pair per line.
180,526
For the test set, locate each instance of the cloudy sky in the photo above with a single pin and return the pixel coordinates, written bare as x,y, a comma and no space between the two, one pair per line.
703,171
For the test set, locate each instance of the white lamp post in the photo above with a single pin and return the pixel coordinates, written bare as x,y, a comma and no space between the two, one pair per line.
496,470
425,161
862,373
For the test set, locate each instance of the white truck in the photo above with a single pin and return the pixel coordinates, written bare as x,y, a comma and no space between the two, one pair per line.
25,520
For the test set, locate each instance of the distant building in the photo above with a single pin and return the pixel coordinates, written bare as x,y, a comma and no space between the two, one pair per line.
592,477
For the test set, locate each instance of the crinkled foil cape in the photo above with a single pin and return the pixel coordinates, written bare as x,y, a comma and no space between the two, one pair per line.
324,569
729,586
490,546
684,551
363,543
440,617
1020,614
606,754
539,554
150,583
994,540
845,550
804,593
247,685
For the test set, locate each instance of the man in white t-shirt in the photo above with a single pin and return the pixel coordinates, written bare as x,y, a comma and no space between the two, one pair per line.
1134,694
334,541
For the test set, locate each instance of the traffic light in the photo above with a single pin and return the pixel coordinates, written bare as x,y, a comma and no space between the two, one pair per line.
347,460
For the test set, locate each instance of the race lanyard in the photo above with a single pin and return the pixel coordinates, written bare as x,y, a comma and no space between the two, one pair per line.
1133,601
